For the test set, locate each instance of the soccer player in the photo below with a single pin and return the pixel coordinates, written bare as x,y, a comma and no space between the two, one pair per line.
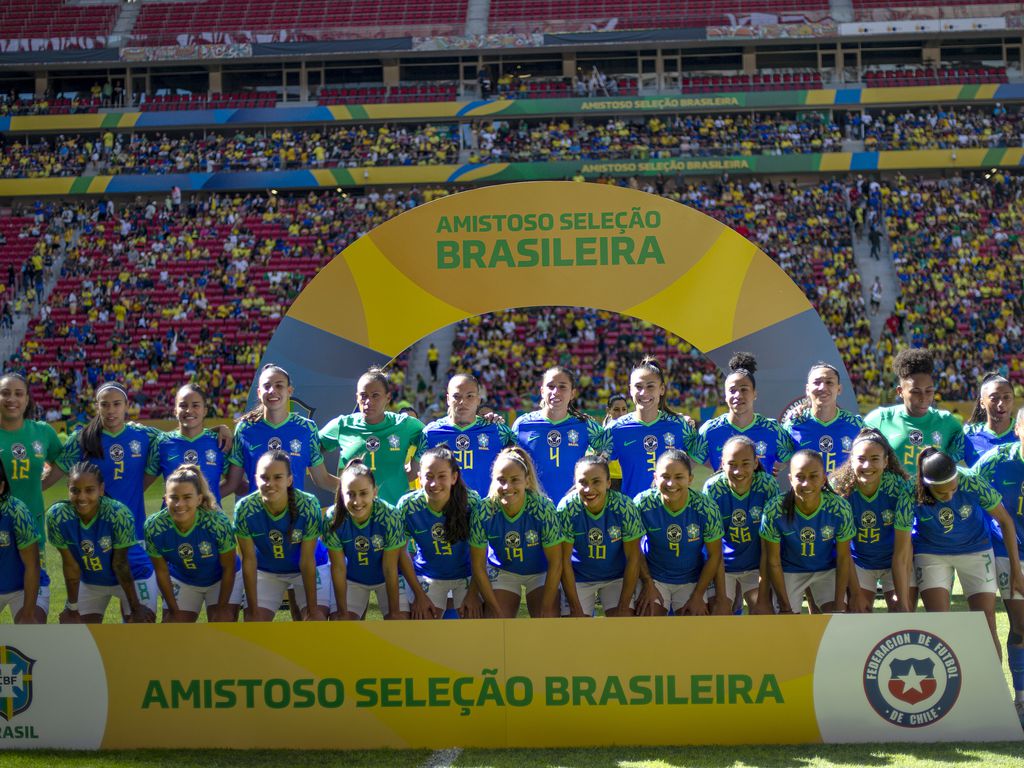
192,442
914,424
1003,468
990,424
277,528
952,535
366,539
741,491
93,533
817,422
474,440
602,533
880,495
29,449
516,541
682,544
24,584
380,437
638,438
128,458
772,442
436,518
806,535
559,434
194,552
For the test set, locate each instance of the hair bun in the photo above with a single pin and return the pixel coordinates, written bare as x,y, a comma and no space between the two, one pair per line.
743,361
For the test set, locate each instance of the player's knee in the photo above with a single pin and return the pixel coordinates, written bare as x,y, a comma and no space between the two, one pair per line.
1014,638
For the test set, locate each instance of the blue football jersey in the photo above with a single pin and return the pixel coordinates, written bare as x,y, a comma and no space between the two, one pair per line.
1003,468
832,440
741,518
979,440
597,540
674,541
92,544
17,531
958,526
192,557
364,544
517,544
877,519
276,551
176,449
436,558
807,543
555,447
297,436
772,442
637,446
474,446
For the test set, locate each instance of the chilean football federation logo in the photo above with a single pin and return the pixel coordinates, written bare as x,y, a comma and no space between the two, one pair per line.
15,682
912,678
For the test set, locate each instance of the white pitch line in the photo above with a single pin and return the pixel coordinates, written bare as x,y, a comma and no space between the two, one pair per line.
442,758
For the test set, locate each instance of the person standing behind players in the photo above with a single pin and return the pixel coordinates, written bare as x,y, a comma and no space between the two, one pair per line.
772,442
475,441
638,438
382,438
818,423
516,542
616,407
990,424
192,442
602,533
881,500
558,435
741,491
914,425
1003,468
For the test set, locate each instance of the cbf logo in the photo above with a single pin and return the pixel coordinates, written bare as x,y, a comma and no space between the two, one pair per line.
15,682
912,679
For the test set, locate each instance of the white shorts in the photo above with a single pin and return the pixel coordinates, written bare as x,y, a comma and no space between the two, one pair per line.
745,580
17,599
588,591
675,596
870,579
94,599
270,588
976,571
357,597
191,598
821,583
1003,575
438,591
514,582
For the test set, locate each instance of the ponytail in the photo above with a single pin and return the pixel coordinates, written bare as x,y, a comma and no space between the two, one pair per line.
191,473
651,364
91,436
456,510
523,459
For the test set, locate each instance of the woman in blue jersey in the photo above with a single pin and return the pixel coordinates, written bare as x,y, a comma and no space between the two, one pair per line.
94,534
193,443
128,456
991,422
881,500
951,535
806,535
638,438
741,491
24,584
436,518
366,540
774,446
682,544
602,533
558,434
194,552
277,528
516,541
817,422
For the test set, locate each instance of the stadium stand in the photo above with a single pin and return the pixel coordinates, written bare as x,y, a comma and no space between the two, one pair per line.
179,102
55,24
913,76
775,81
943,128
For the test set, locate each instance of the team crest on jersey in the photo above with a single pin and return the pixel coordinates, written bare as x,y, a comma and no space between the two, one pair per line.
532,539
888,516
650,443
595,536
296,535
377,542
827,532
946,516
5,539
674,533
437,532
373,444
274,444
276,537
211,456
762,447
191,456
136,448
912,678
462,442
1004,579
116,452
825,444
483,442
868,520
916,437
936,438
394,442
554,438
847,443
965,511
670,440
295,446
692,532
807,535
185,551
18,451
512,539
574,438
362,544
739,518
614,533
205,550
88,548
15,682
755,515
105,544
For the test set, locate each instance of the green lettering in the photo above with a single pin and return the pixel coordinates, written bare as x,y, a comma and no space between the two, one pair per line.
154,695
501,254
464,223
769,688
443,225
739,688
650,248
613,691
410,694
330,693
390,692
639,686
473,252
250,686
527,248
622,248
366,693
181,693
284,693
700,689
585,248
437,692
672,697
223,690
556,691
302,692
583,687
447,254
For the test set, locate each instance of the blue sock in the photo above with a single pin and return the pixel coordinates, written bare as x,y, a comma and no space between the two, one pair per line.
450,613
1015,658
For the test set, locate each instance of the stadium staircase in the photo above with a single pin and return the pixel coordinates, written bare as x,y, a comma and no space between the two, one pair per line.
882,268
443,340
476,17
125,23
841,10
